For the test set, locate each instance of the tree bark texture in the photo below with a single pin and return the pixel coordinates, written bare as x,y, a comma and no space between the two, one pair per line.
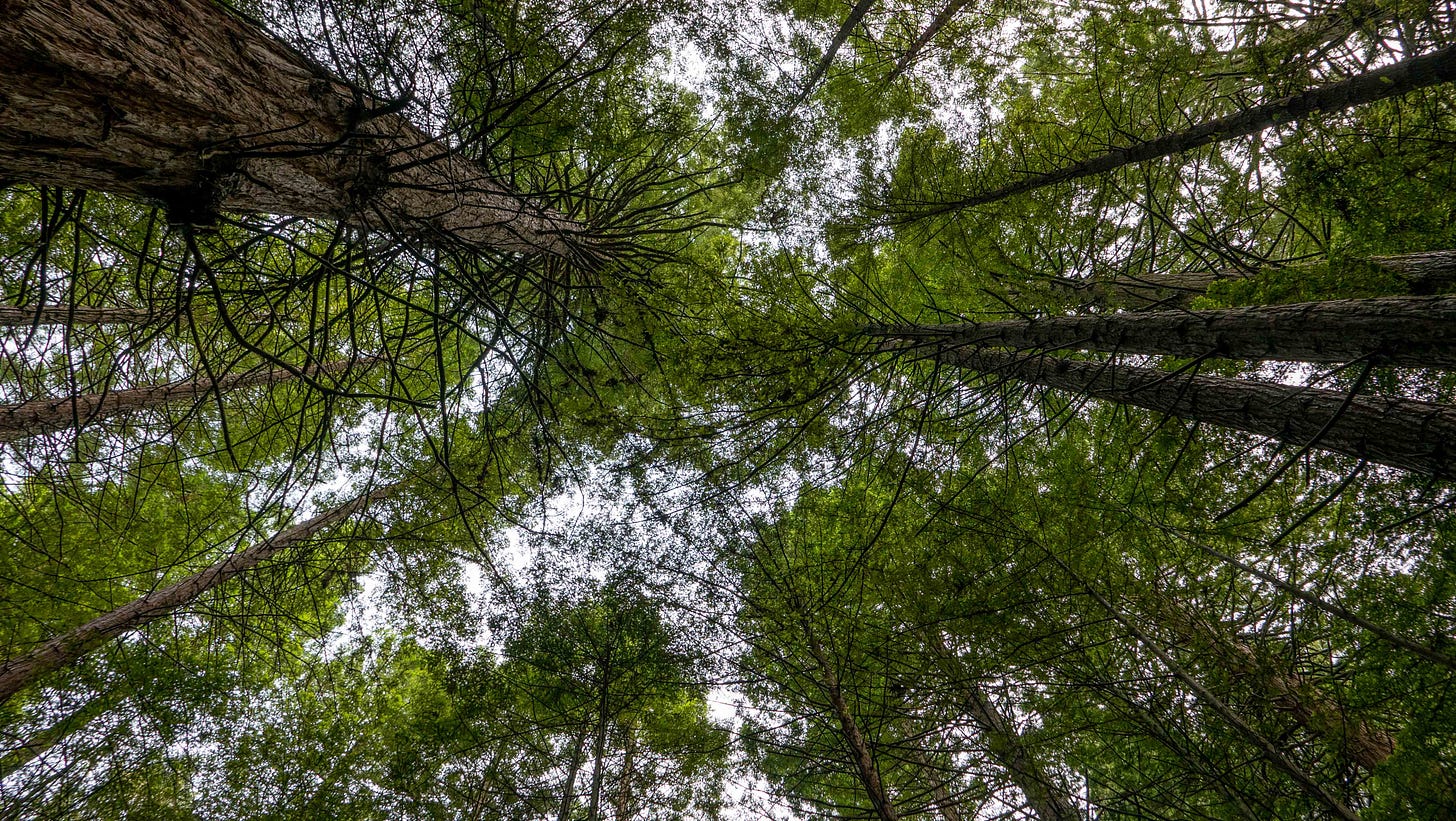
1404,433
1413,332
68,648
1424,273
27,316
185,103
859,749
41,416
1382,83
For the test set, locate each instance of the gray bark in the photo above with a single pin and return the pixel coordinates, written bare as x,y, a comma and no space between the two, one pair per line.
26,316
1415,332
40,416
1404,433
66,649
1425,273
185,103
1380,84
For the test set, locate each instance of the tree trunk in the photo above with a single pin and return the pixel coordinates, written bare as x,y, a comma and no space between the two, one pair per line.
1426,273
622,805
40,416
1413,332
1047,800
186,103
41,742
1366,745
945,803
1382,83
568,796
941,19
600,750
70,647
1404,433
856,14
27,316
864,761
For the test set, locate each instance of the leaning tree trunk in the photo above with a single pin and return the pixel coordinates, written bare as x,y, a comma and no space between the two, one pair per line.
859,749
1047,799
1404,433
40,416
68,648
185,103
856,14
940,21
1430,272
1415,332
1381,83
1361,742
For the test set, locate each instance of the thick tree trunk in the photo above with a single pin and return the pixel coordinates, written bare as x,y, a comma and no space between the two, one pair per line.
1366,745
40,416
856,14
1044,796
1414,332
1425,273
185,103
27,316
859,749
1404,433
1382,83
70,647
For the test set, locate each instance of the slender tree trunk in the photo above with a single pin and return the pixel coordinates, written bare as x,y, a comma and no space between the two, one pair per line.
864,760
1366,745
1405,433
41,742
945,803
39,416
26,316
568,796
68,648
1046,798
1382,83
856,14
186,103
600,750
941,19
1337,807
1414,332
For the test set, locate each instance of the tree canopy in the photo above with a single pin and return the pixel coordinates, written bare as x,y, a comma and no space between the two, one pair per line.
449,409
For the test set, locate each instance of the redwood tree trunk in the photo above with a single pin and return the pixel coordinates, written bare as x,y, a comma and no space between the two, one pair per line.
1404,433
40,416
186,103
1415,332
1382,83
68,648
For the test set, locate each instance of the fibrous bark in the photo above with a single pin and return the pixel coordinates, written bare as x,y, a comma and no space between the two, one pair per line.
1382,83
66,649
40,416
185,103
1404,433
1415,332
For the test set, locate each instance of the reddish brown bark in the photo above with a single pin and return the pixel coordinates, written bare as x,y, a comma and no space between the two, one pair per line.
186,103
66,649
40,416
1416,332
